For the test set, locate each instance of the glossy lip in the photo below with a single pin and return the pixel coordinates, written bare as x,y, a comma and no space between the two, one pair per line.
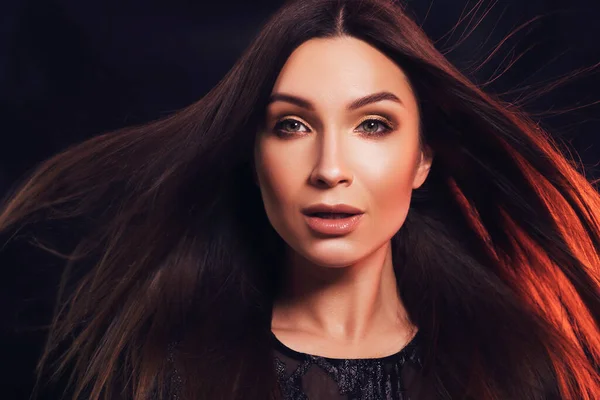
326,208
332,227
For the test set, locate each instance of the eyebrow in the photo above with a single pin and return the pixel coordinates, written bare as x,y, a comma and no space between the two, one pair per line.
355,104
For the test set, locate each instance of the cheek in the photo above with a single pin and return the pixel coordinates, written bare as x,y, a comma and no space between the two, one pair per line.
393,186
389,179
391,200
278,178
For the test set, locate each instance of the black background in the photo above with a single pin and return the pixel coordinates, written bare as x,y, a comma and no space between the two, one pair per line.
71,69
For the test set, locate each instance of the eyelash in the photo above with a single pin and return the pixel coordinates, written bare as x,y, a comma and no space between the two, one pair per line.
387,126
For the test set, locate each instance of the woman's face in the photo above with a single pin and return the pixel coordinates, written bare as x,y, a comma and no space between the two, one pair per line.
342,128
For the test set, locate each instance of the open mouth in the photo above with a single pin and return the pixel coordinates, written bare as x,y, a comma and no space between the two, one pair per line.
331,215
332,220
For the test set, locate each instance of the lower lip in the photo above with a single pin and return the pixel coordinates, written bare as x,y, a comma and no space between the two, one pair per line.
330,226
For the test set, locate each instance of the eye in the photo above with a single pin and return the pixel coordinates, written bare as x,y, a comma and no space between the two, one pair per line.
374,127
288,126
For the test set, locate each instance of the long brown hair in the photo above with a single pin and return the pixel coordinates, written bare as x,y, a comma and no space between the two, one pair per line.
177,266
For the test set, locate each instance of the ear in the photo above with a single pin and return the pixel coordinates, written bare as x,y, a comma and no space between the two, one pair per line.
423,166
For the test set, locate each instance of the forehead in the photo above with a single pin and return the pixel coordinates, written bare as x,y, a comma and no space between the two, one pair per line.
340,69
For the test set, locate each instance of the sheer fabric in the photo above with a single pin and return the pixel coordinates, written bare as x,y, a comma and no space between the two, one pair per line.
307,377
303,376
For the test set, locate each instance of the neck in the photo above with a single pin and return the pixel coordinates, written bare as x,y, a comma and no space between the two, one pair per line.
346,303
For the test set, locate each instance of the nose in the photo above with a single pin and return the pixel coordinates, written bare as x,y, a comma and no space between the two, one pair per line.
331,168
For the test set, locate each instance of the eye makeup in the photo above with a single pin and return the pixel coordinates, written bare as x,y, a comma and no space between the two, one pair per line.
289,126
282,126
385,125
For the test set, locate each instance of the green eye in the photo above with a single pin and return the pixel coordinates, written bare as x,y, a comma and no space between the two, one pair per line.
374,127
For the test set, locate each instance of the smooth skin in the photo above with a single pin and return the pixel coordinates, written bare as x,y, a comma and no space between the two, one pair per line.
342,126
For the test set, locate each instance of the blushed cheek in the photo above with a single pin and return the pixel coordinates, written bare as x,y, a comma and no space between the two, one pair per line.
397,199
393,199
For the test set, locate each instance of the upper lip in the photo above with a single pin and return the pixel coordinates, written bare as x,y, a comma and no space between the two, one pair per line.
334,208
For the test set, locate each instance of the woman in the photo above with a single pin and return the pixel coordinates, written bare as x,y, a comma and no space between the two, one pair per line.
344,215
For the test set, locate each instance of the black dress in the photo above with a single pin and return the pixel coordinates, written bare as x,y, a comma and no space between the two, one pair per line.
303,376
307,377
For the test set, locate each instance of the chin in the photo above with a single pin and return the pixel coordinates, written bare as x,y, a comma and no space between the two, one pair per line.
334,256
331,263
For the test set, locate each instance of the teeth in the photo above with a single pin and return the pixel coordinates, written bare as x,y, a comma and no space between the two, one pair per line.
332,215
